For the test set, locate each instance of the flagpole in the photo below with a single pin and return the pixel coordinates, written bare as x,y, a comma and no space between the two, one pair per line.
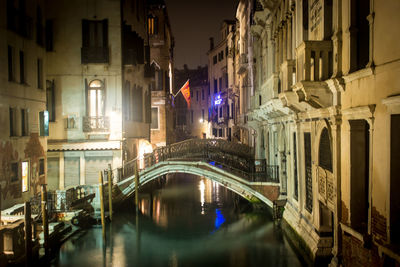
180,89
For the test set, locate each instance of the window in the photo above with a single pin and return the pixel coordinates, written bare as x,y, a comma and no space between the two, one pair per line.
359,173
13,126
22,67
41,167
202,114
394,179
152,25
154,118
220,112
44,123
232,110
296,183
14,172
215,132
94,41
202,94
40,73
11,74
49,35
359,34
137,103
159,80
221,133
197,95
24,122
25,176
39,27
325,152
96,98
50,100
215,59
226,80
215,86
227,111
308,172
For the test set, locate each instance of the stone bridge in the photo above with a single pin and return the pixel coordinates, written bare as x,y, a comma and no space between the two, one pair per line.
230,164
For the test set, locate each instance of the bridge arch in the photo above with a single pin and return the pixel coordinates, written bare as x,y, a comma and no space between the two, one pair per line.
230,181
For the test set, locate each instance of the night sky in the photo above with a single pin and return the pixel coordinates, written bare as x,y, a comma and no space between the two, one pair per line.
193,23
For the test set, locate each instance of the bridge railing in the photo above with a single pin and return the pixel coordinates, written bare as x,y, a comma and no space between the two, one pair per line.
237,158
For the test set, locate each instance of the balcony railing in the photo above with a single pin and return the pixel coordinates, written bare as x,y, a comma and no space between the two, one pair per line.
96,124
314,61
94,55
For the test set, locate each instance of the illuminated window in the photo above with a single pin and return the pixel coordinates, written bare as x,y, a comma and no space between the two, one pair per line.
152,25
44,123
25,176
96,99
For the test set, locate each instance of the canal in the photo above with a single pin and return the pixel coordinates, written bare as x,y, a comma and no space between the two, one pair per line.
193,222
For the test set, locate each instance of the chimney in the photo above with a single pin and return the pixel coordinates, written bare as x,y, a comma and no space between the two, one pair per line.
211,43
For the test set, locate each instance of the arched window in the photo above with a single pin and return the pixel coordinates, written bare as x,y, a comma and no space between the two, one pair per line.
96,99
325,152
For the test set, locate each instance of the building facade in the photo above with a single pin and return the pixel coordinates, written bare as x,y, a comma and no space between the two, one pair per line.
96,71
24,120
220,102
161,59
325,107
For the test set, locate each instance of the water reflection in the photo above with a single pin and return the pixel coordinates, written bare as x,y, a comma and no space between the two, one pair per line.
190,222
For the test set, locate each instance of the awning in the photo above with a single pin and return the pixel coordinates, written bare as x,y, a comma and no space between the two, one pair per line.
105,145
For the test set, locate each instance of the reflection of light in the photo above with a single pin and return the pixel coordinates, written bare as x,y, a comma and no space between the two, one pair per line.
202,187
219,220
201,120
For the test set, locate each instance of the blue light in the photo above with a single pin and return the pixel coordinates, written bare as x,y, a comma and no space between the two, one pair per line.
219,220
218,101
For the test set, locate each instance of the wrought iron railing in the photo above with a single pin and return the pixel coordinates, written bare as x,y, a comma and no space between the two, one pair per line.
233,157
96,124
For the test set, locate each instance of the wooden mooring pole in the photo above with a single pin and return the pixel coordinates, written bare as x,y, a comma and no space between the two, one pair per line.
45,220
103,223
136,187
28,234
110,209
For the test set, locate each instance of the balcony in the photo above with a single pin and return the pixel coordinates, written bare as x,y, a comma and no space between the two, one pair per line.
314,67
314,61
94,55
96,124
243,63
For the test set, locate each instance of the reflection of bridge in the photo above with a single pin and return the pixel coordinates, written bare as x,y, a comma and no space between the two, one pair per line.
230,164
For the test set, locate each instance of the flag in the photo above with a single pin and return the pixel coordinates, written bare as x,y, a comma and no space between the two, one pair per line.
186,92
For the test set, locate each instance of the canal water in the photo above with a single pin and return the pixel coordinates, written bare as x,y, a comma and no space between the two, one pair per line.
193,222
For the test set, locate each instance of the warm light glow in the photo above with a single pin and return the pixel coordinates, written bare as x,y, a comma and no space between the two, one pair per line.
201,120
25,176
144,148
95,84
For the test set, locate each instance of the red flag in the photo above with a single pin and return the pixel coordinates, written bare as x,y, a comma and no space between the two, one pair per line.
186,92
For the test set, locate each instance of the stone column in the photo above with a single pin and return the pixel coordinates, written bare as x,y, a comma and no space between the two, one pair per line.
336,122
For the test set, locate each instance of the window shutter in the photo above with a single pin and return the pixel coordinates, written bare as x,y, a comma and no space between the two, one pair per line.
85,33
86,97
105,33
